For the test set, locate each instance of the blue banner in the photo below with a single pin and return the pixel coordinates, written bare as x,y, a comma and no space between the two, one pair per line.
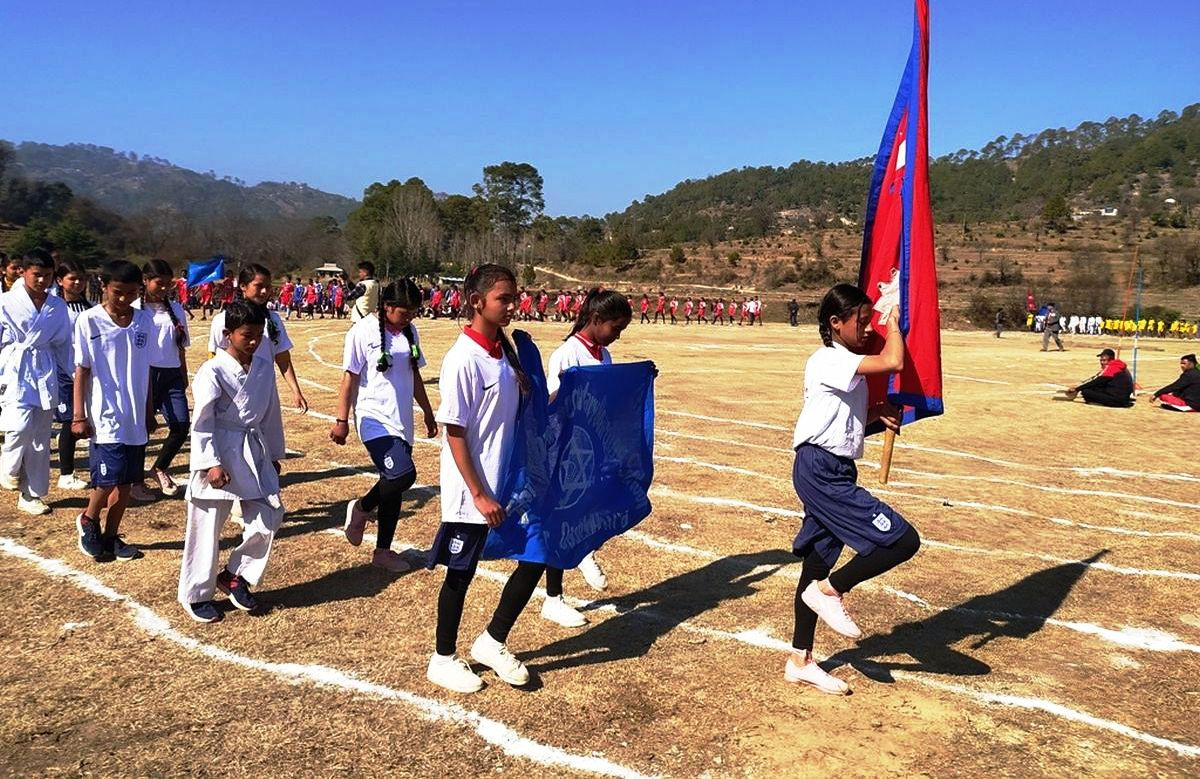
581,467
201,271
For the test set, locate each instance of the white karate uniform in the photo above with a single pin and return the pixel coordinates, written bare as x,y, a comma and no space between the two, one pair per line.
218,341
34,347
236,425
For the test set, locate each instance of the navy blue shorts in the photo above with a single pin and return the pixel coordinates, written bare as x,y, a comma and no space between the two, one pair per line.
115,465
457,545
65,410
392,456
168,391
838,512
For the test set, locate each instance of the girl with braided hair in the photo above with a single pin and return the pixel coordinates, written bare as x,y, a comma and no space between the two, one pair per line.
838,512
168,345
382,362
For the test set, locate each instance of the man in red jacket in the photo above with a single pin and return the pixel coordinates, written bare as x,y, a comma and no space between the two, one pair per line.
1183,394
1112,386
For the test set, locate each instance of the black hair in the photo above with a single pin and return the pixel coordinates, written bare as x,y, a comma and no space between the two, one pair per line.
606,305
39,258
403,293
368,266
479,282
248,273
1190,358
121,272
66,267
244,312
841,301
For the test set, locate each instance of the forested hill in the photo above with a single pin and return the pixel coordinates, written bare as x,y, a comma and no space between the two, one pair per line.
1120,162
128,184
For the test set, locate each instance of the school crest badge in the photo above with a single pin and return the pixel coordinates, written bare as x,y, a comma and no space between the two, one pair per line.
388,462
456,545
139,339
883,522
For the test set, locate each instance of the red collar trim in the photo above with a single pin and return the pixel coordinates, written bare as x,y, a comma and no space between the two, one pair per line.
596,350
489,346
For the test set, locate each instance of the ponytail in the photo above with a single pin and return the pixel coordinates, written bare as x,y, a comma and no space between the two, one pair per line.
840,301
403,293
605,304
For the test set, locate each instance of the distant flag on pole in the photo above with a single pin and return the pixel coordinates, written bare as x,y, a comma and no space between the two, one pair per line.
898,256
201,271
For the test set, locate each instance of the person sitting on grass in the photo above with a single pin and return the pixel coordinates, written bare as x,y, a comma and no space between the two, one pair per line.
1112,386
1183,394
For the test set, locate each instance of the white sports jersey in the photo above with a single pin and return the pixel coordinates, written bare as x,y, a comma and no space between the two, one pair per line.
480,394
835,402
571,353
164,352
217,340
119,361
385,398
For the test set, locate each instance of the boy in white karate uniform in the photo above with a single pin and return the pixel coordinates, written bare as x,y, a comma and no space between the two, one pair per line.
237,443
35,341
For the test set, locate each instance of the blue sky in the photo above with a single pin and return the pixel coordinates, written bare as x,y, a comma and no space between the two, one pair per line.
610,100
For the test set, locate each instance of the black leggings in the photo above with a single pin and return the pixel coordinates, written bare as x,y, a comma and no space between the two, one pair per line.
176,435
856,571
66,449
517,592
450,607
386,496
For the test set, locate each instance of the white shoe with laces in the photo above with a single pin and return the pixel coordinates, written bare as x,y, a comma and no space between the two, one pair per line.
496,656
593,574
831,609
813,675
453,673
34,506
558,611
69,481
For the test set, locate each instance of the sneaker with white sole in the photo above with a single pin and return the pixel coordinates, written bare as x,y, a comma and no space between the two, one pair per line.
204,611
390,561
356,522
815,676
34,506
593,574
453,673
496,656
831,609
69,481
560,612
90,541
165,483
9,483
139,492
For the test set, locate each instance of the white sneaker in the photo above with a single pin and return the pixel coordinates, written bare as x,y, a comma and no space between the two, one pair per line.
69,481
453,673
831,610
562,613
8,483
496,656
813,675
593,574
35,506
139,492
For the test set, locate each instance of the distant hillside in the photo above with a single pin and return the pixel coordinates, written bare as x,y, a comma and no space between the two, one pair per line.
129,184
1132,162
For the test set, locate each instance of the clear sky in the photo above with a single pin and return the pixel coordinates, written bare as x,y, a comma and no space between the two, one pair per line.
610,99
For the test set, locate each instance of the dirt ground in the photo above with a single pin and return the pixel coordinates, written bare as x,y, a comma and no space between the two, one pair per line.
1050,624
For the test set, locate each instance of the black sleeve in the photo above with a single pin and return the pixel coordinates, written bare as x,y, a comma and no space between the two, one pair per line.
1096,382
358,291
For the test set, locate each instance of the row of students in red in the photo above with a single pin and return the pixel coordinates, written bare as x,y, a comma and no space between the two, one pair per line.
481,384
705,310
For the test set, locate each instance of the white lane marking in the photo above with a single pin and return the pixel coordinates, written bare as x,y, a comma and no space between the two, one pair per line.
972,378
492,731
741,422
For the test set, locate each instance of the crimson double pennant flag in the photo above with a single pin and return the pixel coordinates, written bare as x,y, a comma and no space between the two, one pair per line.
898,256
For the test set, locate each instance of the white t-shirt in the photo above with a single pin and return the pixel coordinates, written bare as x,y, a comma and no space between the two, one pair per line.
119,359
385,398
834,415
480,394
217,340
164,352
570,354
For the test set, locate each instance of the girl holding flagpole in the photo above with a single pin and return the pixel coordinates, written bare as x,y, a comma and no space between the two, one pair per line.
838,512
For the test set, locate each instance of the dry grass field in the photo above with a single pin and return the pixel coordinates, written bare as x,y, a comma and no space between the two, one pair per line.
1050,624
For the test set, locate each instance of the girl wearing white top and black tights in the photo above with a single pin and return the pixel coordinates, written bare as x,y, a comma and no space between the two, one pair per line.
838,512
382,363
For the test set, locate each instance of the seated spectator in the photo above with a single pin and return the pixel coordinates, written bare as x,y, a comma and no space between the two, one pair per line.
1113,386
1183,394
